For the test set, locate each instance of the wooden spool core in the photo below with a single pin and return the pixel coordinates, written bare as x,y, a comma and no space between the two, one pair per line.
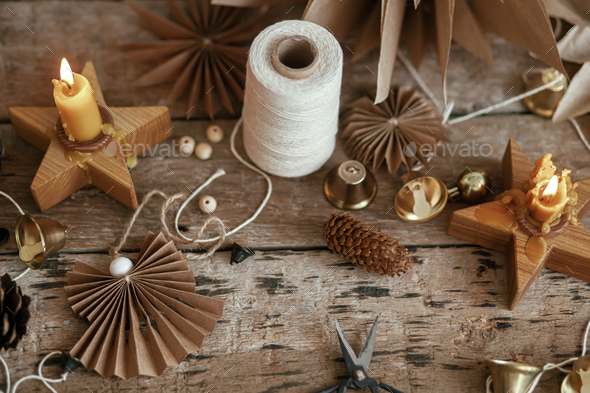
86,146
295,57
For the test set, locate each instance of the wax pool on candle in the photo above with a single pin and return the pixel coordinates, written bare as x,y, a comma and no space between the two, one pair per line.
76,105
547,199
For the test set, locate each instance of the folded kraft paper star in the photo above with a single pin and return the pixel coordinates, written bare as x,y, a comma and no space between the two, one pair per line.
70,165
144,320
534,223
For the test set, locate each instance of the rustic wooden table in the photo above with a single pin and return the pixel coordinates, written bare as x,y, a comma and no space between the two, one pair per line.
438,322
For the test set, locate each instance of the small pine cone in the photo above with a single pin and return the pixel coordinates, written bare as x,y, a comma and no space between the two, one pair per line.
364,246
14,313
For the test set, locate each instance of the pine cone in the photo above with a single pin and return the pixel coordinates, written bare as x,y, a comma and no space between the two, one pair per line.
14,313
364,246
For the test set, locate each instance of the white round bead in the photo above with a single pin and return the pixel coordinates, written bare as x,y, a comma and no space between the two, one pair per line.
203,151
187,145
208,204
120,267
214,133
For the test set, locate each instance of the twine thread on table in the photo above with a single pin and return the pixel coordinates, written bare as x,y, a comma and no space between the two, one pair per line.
547,367
447,111
290,125
170,202
46,381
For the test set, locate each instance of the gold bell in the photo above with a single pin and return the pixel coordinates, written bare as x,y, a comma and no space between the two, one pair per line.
37,240
573,381
473,186
544,103
512,377
349,186
421,198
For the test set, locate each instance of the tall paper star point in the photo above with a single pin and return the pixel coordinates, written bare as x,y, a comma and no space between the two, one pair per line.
57,178
565,253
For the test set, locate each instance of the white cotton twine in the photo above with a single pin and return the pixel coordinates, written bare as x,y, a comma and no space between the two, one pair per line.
290,125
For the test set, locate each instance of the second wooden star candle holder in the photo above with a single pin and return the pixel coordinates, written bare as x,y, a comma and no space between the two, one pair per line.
561,246
70,165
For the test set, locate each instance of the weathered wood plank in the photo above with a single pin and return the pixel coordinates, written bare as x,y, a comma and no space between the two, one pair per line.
437,323
93,30
297,209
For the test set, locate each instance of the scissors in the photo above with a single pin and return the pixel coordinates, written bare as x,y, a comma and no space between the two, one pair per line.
358,366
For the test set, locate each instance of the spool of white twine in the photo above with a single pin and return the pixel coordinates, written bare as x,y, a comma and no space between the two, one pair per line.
291,103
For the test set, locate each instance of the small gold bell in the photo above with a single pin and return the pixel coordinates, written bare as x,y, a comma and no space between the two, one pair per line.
421,198
544,103
349,186
573,381
37,239
473,186
512,377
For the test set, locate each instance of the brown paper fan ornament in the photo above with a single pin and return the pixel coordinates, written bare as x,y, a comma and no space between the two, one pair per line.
14,313
205,52
402,128
144,322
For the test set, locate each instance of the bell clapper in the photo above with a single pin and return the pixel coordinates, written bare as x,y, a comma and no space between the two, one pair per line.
421,206
28,252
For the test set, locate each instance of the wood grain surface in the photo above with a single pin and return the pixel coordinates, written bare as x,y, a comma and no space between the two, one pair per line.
438,323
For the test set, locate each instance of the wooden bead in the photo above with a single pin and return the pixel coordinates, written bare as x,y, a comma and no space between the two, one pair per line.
203,151
208,204
187,145
120,267
214,133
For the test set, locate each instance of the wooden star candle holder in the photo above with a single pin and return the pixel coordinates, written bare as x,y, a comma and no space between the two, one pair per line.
493,225
65,169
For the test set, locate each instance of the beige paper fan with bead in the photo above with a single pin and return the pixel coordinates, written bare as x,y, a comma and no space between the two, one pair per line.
404,127
144,322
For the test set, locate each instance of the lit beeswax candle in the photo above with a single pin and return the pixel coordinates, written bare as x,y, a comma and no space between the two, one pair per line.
547,199
76,105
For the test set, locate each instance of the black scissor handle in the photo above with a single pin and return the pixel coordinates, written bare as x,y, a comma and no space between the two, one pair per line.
388,388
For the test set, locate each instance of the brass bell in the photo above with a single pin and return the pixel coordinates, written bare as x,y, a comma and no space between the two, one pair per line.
421,198
511,376
573,381
544,103
473,186
349,186
37,240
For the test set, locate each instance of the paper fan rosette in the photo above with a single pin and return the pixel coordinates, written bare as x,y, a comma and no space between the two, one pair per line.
157,297
404,127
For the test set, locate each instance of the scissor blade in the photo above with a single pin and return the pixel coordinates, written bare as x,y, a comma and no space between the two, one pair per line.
367,352
349,356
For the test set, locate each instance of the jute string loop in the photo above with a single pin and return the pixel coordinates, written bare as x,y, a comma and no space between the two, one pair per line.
39,376
170,203
291,103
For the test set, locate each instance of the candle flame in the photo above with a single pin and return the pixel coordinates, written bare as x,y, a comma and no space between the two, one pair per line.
66,73
551,188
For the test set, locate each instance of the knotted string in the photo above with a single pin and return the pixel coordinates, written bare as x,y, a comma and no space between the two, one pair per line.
547,367
40,377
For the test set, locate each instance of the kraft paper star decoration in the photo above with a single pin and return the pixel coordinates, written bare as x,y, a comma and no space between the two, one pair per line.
566,253
59,177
